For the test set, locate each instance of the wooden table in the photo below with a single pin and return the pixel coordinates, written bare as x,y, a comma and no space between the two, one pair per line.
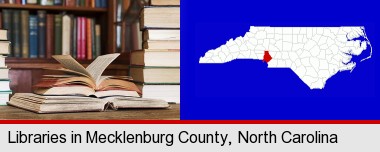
8,112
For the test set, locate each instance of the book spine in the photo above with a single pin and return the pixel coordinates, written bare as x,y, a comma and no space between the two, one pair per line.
46,2
25,33
66,24
97,40
93,39
50,35
16,33
31,1
1,20
6,16
18,1
41,33
84,40
57,2
104,3
79,37
33,36
98,3
74,37
70,3
88,39
58,34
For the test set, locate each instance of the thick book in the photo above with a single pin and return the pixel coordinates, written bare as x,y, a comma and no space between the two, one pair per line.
160,34
98,46
16,35
4,47
2,62
66,37
50,36
33,36
165,2
25,33
58,34
60,104
83,38
155,75
4,85
86,81
41,33
162,44
169,93
169,58
3,35
88,39
4,73
160,17
7,22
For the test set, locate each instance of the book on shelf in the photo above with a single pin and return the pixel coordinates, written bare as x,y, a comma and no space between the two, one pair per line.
86,81
151,57
66,30
165,2
50,34
155,74
41,33
58,34
59,104
33,36
16,37
24,33
77,3
160,17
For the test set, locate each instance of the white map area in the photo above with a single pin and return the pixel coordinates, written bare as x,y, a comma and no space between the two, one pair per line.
314,53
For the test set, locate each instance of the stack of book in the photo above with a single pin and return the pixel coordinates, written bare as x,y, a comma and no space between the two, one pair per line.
42,35
156,68
5,90
77,3
83,89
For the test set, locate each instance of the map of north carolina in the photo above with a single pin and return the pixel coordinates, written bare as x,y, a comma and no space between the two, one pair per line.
315,54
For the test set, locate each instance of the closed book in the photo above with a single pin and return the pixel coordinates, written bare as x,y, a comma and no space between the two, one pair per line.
50,35
88,39
160,17
98,40
4,47
2,61
104,3
66,37
165,2
58,2
3,35
168,58
31,1
4,97
74,39
70,2
98,3
83,38
25,33
7,22
155,75
18,1
79,37
4,85
169,93
58,34
4,73
162,44
93,47
161,34
33,36
16,39
46,2
41,33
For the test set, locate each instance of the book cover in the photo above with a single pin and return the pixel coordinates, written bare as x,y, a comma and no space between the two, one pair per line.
83,38
7,24
66,39
33,36
79,37
16,39
97,40
50,34
58,34
25,33
74,37
41,33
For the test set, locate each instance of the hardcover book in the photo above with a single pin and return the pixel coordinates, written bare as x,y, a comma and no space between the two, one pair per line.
41,34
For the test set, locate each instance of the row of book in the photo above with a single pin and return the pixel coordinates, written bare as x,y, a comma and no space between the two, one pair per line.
156,67
5,90
44,35
77,3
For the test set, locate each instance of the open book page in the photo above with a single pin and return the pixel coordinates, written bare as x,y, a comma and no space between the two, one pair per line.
70,63
97,67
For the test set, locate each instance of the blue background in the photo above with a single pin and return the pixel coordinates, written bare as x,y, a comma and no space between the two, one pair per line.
247,89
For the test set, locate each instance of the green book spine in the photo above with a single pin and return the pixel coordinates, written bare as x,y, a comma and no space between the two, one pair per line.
58,34
16,25
97,40
7,24
25,33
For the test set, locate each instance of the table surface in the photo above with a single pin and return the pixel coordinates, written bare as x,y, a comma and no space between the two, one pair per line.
12,113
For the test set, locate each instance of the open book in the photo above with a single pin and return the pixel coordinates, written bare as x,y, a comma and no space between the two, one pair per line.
57,104
86,81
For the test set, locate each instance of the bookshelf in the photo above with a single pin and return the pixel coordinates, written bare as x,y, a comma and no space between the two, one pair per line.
27,71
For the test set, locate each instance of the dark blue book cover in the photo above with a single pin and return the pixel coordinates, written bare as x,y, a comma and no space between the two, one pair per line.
16,39
33,36
41,34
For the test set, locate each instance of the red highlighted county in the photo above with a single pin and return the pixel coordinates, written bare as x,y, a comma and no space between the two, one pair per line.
267,56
